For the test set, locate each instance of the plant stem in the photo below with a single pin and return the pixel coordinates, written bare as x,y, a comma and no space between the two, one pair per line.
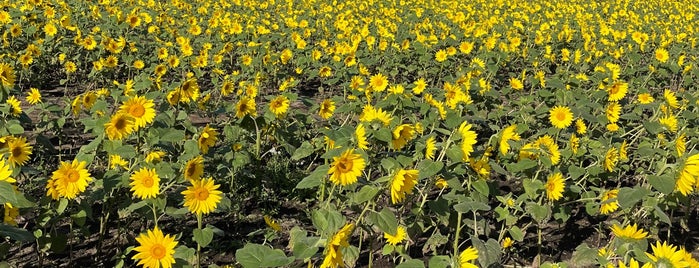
456,236
199,245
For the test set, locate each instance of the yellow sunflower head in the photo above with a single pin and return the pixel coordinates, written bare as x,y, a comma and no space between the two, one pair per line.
19,150
346,168
194,168
69,180
403,183
145,183
560,117
155,249
207,139
555,185
141,109
202,197
119,126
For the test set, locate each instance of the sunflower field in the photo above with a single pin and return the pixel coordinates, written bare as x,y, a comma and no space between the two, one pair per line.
379,133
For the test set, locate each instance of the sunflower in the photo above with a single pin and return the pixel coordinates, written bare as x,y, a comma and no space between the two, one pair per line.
632,264
189,91
671,99
681,144
467,256
207,138
630,232
613,112
378,82
155,249
145,183
662,55
623,154
555,185
6,171
645,98
670,122
119,126
574,143
610,159
202,197
400,236
401,135
580,127
430,148
440,55
7,75
609,202
154,156
688,175
15,105
346,168
516,84
279,105
69,180
333,250
272,223
116,161
19,150
617,90
34,96
468,139
420,86
403,183
560,117
10,215
325,71
141,109
360,134
327,108
667,255
508,134
194,168
245,106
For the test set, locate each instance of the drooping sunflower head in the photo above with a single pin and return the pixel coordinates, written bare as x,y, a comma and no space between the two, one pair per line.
194,168
401,135
245,106
327,107
7,75
279,105
403,183
207,139
119,126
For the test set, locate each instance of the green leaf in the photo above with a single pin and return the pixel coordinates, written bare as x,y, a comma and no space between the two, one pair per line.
539,212
439,262
15,233
481,186
9,195
303,151
365,194
516,233
488,252
412,264
429,168
15,129
255,255
203,236
470,205
531,186
62,205
628,197
314,179
385,220
172,135
661,215
575,172
521,165
583,256
384,134
665,184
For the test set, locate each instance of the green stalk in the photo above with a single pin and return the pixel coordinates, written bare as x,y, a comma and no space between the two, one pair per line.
456,236
199,245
